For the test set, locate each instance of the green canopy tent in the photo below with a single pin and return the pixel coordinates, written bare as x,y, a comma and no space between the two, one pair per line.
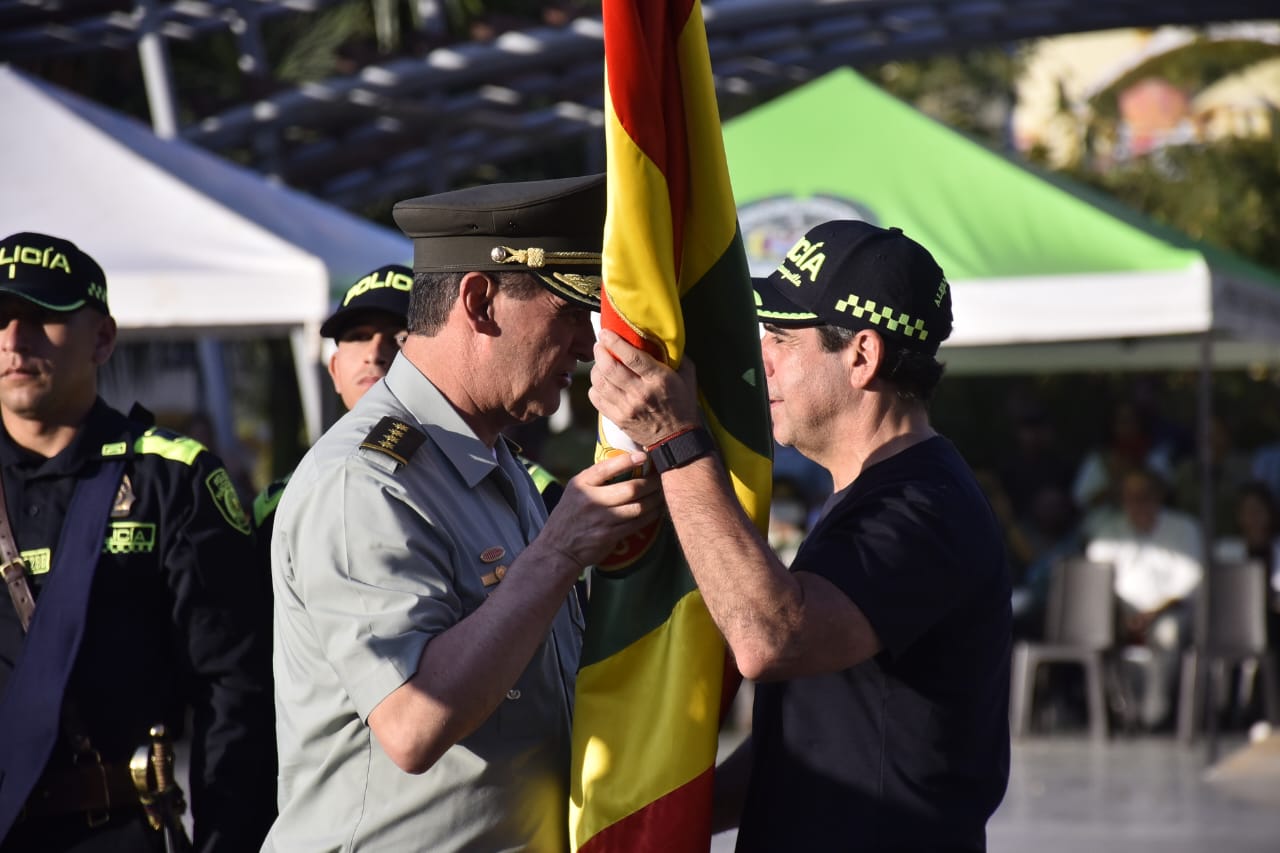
1046,275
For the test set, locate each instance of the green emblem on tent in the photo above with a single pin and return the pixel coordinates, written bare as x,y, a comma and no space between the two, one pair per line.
227,501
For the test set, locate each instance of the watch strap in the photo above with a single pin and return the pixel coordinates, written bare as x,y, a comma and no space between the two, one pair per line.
681,449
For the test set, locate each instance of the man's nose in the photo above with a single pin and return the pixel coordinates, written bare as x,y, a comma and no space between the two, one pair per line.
383,348
766,356
12,335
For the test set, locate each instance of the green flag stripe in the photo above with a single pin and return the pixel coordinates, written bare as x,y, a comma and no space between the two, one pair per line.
628,604
718,303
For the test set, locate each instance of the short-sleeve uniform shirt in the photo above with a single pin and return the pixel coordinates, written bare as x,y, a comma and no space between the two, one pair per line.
371,559
907,751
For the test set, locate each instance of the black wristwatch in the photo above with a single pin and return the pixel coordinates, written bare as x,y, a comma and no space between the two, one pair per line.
681,449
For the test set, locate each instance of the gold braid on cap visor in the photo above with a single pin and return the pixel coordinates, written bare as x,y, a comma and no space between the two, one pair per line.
536,258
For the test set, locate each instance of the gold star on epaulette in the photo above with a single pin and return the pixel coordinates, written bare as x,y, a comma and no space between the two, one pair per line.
395,438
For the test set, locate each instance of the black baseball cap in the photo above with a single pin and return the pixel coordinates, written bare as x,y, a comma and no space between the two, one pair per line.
553,228
51,272
857,275
385,289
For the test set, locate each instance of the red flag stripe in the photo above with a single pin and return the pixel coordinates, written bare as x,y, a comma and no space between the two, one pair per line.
643,70
678,821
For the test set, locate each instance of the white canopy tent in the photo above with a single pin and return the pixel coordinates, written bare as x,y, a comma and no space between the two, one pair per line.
192,244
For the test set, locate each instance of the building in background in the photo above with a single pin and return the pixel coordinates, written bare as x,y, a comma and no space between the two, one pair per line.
1119,94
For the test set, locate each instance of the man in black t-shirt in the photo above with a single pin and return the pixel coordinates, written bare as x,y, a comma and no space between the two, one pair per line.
882,656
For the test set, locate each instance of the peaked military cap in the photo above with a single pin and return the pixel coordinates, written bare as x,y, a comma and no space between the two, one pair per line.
554,229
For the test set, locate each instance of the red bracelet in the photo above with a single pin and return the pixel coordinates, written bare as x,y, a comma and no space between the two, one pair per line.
649,448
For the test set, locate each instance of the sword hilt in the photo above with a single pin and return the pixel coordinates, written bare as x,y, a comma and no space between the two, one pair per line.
161,758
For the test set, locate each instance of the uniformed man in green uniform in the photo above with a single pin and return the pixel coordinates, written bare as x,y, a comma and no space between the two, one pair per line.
426,630
367,328
137,553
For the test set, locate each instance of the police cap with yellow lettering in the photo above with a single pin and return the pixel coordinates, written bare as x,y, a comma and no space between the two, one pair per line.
856,275
385,290
554,229
51,272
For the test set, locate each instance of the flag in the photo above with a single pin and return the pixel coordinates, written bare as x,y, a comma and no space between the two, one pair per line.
653,684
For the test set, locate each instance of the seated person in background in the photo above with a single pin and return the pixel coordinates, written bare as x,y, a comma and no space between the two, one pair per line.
1264,466
1050,532
1128,445
1157,553
1228,471
1258,522
1035,460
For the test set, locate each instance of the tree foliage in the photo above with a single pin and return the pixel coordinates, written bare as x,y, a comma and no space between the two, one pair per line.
1226,193
972,92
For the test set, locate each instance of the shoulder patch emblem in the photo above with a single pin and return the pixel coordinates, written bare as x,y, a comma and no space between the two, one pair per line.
227,501
395,438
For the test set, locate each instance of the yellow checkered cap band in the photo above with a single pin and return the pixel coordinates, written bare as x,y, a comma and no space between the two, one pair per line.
883,316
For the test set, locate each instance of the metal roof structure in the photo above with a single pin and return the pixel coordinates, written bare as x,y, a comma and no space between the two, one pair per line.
418,124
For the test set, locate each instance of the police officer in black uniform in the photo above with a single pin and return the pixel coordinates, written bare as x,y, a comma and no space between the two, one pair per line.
138,556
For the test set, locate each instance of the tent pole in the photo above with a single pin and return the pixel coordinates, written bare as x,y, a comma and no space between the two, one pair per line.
305,342
1204,450
156,73
217,393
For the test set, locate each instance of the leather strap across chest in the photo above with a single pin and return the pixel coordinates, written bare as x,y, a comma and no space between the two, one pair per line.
31,707
14,569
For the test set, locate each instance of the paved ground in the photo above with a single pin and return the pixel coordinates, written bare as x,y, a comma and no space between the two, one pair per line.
1135,795
1129,795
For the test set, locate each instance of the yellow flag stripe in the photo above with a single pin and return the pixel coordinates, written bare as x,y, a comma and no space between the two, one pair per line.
712,219
674,672
640,272
750,473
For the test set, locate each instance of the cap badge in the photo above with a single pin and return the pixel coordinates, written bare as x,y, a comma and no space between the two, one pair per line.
492,555
587,285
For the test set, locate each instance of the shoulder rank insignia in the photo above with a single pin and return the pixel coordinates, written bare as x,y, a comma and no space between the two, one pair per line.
395,438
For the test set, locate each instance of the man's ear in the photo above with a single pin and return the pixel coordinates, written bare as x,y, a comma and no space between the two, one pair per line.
333,372
476,294
104,341
863,357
